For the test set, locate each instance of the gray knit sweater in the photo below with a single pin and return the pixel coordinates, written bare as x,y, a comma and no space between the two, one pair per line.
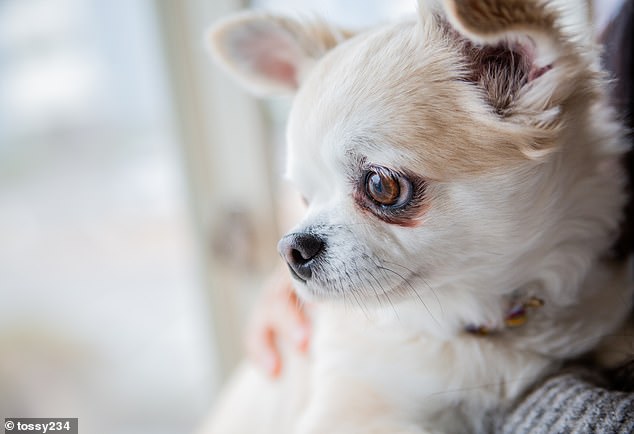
577,400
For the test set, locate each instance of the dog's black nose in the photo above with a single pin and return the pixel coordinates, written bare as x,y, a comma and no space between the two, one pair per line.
299,251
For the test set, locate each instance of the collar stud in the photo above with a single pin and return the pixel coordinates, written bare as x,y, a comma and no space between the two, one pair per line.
516,317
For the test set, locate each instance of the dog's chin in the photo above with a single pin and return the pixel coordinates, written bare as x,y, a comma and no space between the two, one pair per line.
304,293
309,293
312,292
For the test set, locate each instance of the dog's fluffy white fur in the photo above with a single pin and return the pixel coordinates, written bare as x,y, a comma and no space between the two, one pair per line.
492,117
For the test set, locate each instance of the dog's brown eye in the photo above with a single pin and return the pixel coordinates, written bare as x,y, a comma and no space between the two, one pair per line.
387,189
382,189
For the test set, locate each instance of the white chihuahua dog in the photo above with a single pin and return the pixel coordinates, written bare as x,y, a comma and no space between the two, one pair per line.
463,188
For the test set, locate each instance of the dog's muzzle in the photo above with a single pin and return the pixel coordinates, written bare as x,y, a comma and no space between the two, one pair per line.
300,251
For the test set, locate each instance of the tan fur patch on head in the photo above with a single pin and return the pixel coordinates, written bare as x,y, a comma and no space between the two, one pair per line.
491,17
411,91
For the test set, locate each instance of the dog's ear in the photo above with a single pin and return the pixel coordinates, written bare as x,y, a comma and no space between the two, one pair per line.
490,22
270,55
519,54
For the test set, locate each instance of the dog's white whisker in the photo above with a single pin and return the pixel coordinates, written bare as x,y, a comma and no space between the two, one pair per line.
418,296
422,279
389,300
374,289
356,299
355,293
440,308
497,385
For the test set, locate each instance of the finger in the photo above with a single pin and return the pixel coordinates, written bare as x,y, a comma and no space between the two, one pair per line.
297,329
262,349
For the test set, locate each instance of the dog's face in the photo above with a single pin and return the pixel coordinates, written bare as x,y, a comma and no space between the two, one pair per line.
423,149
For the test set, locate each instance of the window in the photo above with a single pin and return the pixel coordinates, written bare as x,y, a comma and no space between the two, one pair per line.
103,314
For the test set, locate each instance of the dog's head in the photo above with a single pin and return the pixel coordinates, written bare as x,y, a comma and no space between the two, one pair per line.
449,151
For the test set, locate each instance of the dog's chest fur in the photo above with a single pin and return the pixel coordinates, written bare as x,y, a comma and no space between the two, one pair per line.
388,368
383,374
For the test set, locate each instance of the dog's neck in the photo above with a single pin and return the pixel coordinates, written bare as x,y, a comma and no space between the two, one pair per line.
532,316
519,310
525,302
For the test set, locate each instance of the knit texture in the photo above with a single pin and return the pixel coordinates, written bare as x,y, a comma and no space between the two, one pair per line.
575,401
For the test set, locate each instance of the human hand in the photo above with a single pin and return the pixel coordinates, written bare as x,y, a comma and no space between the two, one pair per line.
279,319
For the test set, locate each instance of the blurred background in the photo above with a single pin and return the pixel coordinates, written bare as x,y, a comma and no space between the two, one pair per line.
140,206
